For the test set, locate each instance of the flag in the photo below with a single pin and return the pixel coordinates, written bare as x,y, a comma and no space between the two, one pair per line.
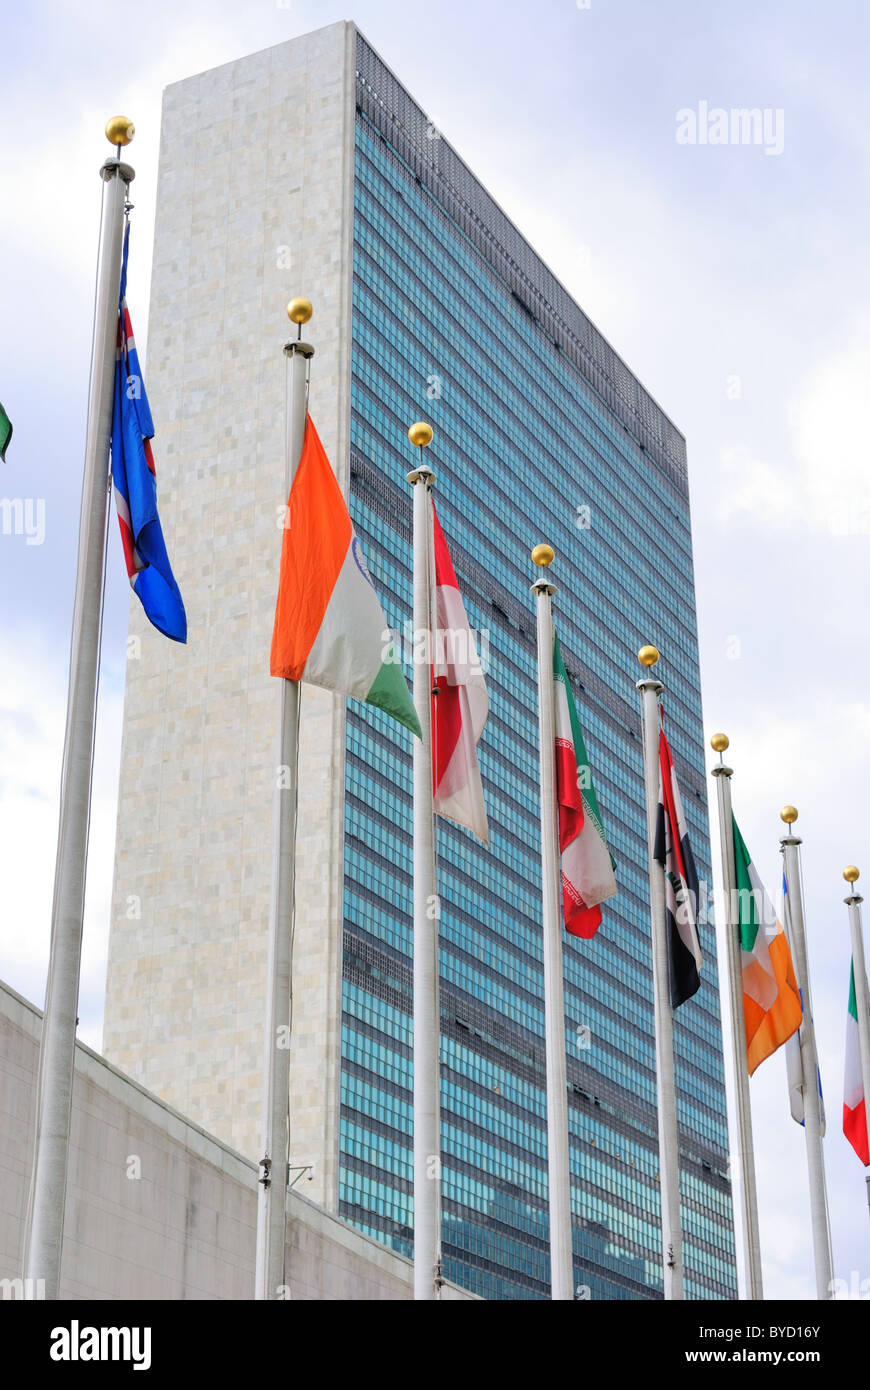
854,1099
587,866
135,486
461,705
771,999
674,852
330,628
5,433
794,1061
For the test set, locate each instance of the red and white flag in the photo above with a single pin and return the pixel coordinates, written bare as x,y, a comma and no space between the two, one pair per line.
461,706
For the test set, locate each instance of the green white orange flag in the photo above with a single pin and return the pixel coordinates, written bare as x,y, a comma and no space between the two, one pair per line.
329,624
854,1100
587,867
771,998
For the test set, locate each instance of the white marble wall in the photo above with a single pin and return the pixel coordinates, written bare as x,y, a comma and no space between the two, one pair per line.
256,169
180,1226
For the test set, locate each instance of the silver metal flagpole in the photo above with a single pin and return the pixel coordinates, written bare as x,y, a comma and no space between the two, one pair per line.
669,1138
427,1084
862,1004
822,1253
745,1176
274,1165
558,1171
44,1226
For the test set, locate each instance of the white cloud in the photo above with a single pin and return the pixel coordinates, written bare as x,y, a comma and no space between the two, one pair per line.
822,485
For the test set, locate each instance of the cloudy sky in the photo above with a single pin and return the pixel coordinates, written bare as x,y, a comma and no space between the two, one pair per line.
730,275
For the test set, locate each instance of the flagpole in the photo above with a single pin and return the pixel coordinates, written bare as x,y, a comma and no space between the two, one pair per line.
745,1150
427,1084
669,1137
790,845
44,1224
558,1169
862,1004
274,1165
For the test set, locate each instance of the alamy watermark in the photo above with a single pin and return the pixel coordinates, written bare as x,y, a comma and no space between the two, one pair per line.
737,125
23,516
442,647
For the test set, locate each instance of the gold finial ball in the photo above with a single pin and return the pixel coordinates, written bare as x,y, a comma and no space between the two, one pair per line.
300,310
719,742
120,130
543,555
788,814
850,873
648,656
420,434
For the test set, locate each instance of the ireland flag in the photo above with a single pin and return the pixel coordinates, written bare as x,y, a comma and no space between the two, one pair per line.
854,1100
329,625
587,868
771,998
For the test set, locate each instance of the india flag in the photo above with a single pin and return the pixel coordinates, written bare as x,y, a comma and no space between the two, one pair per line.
587,868
771,998
329,625
854,1100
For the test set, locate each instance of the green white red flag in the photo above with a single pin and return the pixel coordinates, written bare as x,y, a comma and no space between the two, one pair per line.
854,1099
587,867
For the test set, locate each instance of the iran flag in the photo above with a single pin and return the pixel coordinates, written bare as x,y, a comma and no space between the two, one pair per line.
587,868
854,1100
460,704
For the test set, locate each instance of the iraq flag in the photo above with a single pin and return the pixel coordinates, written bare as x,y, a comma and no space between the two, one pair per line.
674,853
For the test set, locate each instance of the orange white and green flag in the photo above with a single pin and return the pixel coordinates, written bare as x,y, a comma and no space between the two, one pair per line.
330,628
771,998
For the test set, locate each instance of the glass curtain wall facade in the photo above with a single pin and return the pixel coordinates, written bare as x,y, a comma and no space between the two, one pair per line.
456,321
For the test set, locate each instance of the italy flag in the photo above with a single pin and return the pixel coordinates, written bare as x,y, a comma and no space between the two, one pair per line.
854,1100
330,628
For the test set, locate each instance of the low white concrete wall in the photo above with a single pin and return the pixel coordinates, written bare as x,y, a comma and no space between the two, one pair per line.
157,1208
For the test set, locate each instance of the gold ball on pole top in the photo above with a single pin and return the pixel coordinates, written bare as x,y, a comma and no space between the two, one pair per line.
648,655
543,555
120,130
300,310
850,873
420,434
719,742
789,814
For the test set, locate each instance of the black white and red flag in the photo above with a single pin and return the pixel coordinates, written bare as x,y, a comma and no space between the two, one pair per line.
674,852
